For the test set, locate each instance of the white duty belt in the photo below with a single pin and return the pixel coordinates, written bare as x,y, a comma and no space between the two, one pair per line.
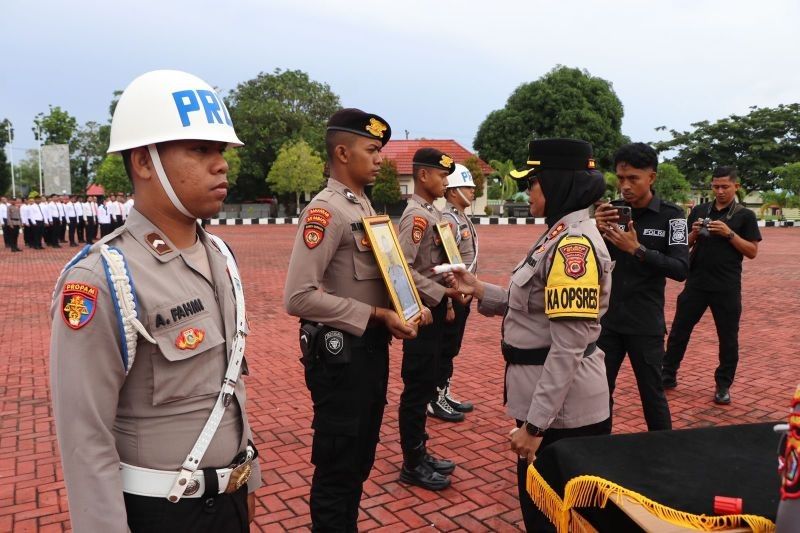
192,461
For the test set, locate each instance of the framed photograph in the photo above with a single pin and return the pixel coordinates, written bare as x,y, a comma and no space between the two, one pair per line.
393,266
449,242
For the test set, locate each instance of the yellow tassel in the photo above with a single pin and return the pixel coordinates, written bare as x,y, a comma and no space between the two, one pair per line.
593,491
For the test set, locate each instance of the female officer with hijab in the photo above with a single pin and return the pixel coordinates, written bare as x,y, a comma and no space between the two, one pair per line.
556,383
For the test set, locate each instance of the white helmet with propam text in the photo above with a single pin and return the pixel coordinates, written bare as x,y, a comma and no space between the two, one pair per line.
169,105
460,177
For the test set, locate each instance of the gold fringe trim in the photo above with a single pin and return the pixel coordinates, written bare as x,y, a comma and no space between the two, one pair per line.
593,491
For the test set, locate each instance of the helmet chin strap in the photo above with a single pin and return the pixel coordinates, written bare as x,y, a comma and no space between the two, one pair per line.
461,194
165,184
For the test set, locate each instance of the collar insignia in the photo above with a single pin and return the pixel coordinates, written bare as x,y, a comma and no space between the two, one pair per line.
158,243
350,195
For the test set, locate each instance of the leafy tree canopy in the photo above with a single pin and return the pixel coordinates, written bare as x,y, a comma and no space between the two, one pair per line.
565,102
297,169
111,175
387,185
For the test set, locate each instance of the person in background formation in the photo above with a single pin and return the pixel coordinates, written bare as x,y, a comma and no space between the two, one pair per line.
104,218
422,248
53,231
80,212
459,195
14,223
723,233
4,221
128,205
147,388
90,218
335,286
114,209
649,248
555,378
38,222
62,213
72,219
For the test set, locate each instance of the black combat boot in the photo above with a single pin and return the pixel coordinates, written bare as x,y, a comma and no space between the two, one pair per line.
417,471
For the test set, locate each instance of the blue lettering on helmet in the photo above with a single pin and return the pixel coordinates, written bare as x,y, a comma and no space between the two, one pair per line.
211,106
185,101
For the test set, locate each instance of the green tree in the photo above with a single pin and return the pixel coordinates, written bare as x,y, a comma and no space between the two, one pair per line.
231,155
612,185
788,178
671,184
387,185
779,199
473,164
270,110
755,143
57,126
87,149
565,102
297,169
111,175
502,173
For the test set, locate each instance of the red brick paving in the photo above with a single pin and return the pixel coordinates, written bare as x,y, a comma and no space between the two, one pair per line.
483,494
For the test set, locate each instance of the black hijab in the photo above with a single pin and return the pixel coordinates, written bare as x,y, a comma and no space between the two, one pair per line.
566,191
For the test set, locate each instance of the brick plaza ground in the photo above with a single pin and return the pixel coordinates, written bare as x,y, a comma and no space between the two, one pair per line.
483,494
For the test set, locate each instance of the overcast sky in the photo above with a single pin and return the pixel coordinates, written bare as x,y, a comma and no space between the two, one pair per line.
435,68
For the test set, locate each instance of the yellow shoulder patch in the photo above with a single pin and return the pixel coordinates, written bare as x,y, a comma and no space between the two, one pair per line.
573,284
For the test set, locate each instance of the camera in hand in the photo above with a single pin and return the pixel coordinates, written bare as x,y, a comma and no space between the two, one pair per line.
703,231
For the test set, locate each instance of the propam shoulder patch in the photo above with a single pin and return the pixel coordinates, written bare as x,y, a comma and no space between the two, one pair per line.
573,284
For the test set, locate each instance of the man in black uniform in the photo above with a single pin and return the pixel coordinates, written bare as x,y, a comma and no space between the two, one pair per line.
647,250
722,233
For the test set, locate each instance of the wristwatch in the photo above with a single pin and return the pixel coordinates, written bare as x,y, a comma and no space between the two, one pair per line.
533,431
639,252
731,235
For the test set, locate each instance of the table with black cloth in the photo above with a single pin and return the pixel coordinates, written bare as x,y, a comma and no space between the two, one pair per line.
674,475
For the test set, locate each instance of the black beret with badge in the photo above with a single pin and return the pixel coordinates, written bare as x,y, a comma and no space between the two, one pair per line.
557,154
355,121
431,157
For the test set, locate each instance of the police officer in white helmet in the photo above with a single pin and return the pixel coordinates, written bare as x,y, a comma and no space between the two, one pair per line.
459,196
147,325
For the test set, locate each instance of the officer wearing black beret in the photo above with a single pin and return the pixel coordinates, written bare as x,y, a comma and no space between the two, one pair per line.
335,286
423,250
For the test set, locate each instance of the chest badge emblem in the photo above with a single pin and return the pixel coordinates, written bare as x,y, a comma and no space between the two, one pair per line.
190,338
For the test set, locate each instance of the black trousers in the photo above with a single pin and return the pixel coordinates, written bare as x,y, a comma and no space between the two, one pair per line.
420,372
91,230
6,233
27,231
535,520
63,233
13,236
349,400
73,225
81,226
106,228
223,512
451,343
38,233
646,353
52,232
726,308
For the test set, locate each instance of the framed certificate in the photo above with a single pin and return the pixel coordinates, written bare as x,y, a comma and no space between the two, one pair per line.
393,267
449,242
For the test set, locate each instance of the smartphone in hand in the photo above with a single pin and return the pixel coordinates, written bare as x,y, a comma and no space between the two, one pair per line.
624,213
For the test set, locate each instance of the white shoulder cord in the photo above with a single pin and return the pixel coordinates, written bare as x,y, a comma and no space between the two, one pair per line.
192,461
120,281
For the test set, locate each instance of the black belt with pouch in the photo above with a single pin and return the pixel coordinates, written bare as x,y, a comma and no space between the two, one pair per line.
319,342
533,356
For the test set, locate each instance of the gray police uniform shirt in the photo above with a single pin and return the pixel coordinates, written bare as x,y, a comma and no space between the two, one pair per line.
333,277
465,234
422,247
152,417
552,301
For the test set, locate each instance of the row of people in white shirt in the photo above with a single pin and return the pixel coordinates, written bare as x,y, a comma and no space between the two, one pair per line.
63,208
